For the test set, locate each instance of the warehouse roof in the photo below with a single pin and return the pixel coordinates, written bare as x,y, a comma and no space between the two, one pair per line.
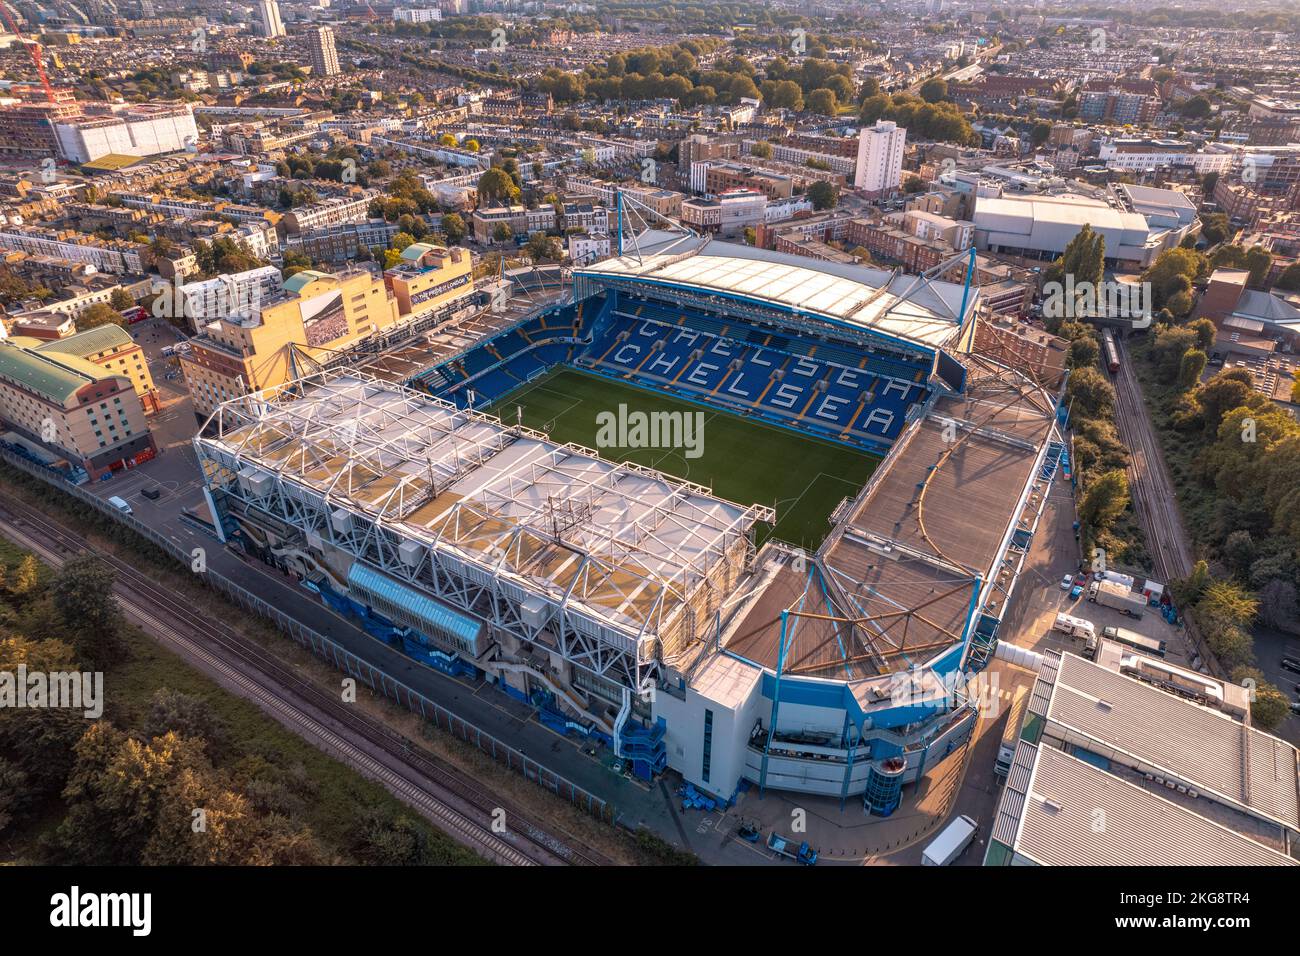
1203,748
1072,813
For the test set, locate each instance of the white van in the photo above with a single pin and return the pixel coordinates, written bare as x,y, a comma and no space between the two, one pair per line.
121,505
949,844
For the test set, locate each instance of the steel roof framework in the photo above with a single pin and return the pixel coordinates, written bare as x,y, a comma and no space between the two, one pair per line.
631,563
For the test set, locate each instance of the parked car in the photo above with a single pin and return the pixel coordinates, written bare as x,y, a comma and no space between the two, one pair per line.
153,494
1291,664
1067,582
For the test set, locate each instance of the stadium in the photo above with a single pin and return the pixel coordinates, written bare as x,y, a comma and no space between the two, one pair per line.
800,606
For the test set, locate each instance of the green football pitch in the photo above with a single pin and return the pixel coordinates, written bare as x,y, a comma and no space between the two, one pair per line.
801,477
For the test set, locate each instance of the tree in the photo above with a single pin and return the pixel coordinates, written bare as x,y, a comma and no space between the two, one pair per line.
502,233
295,262
1197,107
1084,352
1172,273
27,577
1205,333
1289,280
1268,705
543,248
453,227
83,595
934,90
1258,261
823,101
1193,364
187,715
496,185
1104,501
782,94
1089,393
121,299
1215,227
1082,260
101,313
823,195
761,150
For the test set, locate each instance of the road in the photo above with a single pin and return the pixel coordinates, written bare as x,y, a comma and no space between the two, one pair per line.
450,799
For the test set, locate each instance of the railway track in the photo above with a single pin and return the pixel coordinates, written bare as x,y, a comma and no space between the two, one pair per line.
441,791
1152,490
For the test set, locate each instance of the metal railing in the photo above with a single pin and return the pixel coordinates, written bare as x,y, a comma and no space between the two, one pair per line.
335,654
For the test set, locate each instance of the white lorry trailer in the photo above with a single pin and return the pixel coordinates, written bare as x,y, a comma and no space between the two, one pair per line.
1121,598
949,844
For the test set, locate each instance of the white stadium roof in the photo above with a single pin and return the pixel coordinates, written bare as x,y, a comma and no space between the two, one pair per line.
866,298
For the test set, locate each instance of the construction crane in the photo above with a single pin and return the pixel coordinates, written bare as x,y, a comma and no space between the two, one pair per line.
33,48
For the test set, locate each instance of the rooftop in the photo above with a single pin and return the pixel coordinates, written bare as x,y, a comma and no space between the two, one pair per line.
1049,814
1204,748
864,298
629,545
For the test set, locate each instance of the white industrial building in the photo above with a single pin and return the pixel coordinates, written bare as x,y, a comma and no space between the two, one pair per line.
1040,227
880,158
139,130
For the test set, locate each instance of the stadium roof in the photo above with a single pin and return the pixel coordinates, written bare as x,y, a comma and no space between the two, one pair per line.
627,544
901,563
111,162
868,299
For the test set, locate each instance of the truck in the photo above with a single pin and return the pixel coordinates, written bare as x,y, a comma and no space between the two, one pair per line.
1011,733
1139,642
949,844
1118,596
782,846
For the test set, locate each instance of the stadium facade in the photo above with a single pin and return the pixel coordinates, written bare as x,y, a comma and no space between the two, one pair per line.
634,607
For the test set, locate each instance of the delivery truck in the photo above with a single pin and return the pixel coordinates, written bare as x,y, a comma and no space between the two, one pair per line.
1113,594
1011,733
1139,642
949,844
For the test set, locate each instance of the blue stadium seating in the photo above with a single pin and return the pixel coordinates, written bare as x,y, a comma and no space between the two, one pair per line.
839,391
830,389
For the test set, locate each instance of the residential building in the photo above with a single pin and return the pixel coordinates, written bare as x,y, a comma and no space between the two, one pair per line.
880,158
320,48
269,22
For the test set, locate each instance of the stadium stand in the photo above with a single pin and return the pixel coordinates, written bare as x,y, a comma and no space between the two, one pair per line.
857,396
